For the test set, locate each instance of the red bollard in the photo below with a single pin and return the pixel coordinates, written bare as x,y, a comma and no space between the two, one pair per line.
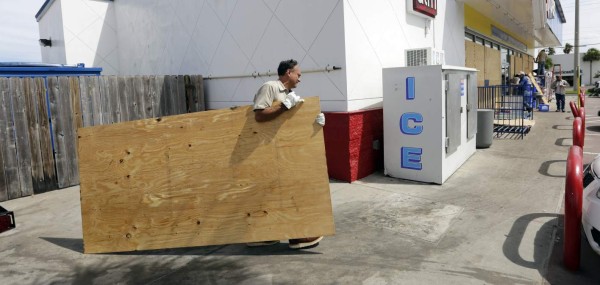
582,98
574,109
578,132
573,200
582,116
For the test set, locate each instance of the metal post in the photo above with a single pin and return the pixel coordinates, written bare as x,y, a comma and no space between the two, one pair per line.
576,63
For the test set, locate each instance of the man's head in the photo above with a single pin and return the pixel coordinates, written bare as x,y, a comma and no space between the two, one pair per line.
521,73
289,73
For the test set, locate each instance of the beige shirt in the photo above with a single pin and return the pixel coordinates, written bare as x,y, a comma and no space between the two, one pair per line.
268,93
559,86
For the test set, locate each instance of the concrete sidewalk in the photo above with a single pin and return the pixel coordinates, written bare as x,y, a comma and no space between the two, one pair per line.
495,221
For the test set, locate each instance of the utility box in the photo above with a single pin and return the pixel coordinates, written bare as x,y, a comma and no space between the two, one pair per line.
429,121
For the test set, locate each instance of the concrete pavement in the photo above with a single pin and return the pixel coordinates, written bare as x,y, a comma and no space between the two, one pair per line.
497,220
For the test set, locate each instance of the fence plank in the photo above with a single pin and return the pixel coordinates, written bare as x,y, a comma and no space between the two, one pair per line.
151,97
129,98
198,82
87,113
190,101
115,106
181,107
75,121
159,98
75,101
22,136
7,144
37,168
60,110
122,98
57,137
165,102
49,171
3,191
139,93
104,101
93,90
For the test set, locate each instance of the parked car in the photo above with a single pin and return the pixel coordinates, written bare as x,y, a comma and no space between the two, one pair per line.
590,217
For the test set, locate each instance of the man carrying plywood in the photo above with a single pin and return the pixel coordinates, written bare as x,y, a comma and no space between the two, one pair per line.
267,107
208,178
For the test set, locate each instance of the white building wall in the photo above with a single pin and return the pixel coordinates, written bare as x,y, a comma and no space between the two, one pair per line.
235,37
567,64
51,27
85,31
377,34
240,37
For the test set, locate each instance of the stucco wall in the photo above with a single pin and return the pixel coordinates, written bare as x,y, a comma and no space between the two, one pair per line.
379,31
51,27
81,32
235,37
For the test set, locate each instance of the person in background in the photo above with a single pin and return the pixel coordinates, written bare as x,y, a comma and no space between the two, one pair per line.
516,79
559,86
541,61
266,109
524,81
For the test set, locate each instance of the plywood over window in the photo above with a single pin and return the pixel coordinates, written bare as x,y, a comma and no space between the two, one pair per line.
204,178
493,67
474,58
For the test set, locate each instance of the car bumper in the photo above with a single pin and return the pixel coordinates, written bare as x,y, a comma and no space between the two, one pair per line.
591,219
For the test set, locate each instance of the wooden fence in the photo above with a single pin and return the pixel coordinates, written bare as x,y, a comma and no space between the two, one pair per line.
39,117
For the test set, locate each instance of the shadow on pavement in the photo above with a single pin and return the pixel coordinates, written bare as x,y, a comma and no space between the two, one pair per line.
545,167
593,128
200,270
76,244
561,141
563,127
511,245
588,272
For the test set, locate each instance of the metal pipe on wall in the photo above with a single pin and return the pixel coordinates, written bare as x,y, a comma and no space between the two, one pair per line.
327,68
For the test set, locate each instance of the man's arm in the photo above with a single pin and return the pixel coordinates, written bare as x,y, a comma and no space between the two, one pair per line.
269,113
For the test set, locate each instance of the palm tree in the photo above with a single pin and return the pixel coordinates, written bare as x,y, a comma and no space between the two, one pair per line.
568,48
551,51
591,55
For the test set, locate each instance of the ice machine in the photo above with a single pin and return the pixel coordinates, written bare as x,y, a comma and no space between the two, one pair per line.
429,120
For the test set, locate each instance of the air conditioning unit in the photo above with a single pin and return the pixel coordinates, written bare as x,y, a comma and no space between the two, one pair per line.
424,56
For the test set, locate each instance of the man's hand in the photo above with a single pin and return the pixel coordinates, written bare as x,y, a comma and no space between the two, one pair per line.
291,100
320,119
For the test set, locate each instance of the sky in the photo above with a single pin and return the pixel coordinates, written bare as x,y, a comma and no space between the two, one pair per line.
19,36
19,30
589,29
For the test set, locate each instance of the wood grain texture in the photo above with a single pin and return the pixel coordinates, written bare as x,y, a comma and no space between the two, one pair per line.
18,90
7,146
45,140
204,178
493,67
37,168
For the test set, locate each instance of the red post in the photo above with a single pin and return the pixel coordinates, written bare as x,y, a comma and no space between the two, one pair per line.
578,132
574,109
582,98
582,116
573,200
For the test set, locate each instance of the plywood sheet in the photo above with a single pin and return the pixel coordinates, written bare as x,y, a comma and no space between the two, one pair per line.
493,67
204,178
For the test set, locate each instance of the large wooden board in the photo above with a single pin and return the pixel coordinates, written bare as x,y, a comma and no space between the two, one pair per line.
493,66
204,178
